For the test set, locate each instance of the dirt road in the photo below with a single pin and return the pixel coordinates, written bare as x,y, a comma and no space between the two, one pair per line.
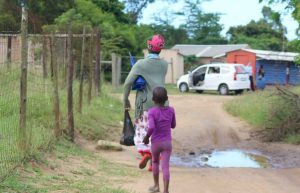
203,125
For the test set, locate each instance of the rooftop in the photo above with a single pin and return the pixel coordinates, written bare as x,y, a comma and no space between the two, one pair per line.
268,55
207,50
273,55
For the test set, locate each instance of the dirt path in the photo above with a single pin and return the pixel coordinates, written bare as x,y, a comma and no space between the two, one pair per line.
203,125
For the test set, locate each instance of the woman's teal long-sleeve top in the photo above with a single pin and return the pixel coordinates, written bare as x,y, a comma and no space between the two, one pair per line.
154,71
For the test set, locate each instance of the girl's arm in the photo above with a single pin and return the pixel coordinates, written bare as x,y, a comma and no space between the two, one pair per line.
151,123
151,127
173,123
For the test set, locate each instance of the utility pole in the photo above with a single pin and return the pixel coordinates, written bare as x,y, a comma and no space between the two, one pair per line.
23,81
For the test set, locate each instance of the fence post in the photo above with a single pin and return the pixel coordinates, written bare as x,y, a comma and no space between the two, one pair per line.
90,69
70,86
65,66
81,72
23,81
98,65
118,71
54,78
51,64
114,61
9,38
45,70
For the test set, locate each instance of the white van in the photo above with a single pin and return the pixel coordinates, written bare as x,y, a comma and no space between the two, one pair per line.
222,77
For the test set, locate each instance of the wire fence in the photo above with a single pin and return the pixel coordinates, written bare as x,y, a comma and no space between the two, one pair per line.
41,92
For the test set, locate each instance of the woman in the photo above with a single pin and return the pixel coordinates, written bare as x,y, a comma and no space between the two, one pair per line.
153,70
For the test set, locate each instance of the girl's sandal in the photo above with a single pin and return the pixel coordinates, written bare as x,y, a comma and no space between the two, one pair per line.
153,189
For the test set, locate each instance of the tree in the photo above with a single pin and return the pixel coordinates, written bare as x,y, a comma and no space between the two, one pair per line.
40,12
294,7
203,28
44,12
136,7
258,34
171,34
291,5
115,36
268,33
114,7
273,18
10,17
294,46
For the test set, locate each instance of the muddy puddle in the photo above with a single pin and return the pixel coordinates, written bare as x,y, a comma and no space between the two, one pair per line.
222,159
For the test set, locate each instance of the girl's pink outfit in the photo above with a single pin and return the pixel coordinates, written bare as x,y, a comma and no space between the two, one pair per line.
160,122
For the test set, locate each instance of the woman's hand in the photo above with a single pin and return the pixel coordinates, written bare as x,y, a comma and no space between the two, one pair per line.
146,140
127,105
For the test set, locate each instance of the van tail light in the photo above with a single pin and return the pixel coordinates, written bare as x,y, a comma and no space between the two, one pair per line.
234,76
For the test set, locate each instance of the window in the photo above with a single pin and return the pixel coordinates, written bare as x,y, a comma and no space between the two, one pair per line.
201,70
240,69
214,70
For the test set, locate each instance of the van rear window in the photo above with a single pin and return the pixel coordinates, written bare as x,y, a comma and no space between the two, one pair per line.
240,69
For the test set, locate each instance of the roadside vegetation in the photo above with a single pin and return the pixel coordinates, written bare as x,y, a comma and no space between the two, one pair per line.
56,164
274,112
68,168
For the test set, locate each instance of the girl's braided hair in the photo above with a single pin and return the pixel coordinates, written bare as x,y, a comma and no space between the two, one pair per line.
160,95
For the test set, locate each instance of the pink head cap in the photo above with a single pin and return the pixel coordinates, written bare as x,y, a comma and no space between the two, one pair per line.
156,43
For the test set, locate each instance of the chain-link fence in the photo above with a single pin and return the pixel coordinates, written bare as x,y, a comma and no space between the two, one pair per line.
126,65
41,91
9,102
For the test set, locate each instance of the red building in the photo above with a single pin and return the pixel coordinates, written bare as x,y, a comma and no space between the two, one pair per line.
242,57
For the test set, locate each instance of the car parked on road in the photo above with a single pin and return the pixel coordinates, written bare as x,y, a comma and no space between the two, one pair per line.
222,77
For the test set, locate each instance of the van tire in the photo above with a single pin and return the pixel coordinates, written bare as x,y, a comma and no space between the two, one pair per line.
183,87
223,89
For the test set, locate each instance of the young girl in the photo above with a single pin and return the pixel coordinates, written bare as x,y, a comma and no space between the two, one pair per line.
161,119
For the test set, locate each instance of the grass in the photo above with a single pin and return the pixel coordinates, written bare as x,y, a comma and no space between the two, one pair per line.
252,107
72,169
256,108
293,139
38,135
99,120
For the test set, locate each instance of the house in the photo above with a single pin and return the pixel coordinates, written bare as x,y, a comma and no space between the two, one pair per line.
176,64
207,53
10,49
275,64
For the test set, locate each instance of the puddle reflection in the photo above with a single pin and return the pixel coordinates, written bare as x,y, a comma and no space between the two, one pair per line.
222,159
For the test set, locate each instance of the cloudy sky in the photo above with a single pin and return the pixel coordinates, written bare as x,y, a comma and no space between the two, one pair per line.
233,13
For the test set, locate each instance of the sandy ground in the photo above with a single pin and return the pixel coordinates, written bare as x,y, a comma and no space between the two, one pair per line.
203,125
